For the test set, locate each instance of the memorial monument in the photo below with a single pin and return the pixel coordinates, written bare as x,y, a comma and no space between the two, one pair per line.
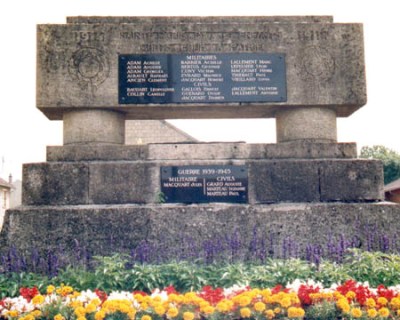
93,73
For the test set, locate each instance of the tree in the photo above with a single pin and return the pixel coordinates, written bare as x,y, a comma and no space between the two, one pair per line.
390,159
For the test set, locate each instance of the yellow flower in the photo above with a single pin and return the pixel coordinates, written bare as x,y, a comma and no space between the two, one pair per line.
270,314
90,308
245,312
222,306
395,303
343,305
370,303
38,299
36,313
29,317
172,312
356,313
208,310
64,290
80,312
294,312
81,318
50,289
259,306
372,313
382,301
188,315
144,306
58,317
350,295
244,301
12,313
146,317
285,302
159,309
384,312
100,315
277,310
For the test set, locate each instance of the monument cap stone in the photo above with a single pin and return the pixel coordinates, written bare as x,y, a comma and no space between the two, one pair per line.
79,65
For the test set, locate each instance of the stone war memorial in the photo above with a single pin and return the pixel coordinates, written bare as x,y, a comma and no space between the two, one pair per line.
306,192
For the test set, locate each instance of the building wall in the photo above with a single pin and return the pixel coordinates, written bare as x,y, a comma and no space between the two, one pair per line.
4,202
393,196
154,131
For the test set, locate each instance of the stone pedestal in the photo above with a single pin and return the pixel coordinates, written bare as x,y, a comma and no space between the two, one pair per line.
310,124
107,198
93,127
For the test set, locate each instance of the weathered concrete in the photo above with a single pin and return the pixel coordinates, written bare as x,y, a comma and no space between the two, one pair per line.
194,19
78,63
309,124
203,151
93,127
177,228
269,181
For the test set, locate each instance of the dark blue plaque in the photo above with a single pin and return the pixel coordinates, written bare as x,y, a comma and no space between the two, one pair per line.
204,184
202,78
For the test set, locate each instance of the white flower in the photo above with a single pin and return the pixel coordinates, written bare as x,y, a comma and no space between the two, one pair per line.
229,292
87,296
163,295
19,304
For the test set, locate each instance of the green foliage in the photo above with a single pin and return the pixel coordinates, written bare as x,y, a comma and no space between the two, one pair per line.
322,311
375,267
114,273
11,283
390,159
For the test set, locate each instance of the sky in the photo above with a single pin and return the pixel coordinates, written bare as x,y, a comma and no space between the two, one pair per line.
25,131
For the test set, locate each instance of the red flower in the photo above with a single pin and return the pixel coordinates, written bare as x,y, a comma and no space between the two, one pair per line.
170,289
101,294
385,292
279,288
304,294
362,293
213,296
28,293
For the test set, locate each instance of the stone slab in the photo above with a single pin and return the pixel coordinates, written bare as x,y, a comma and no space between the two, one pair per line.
270,181
203,151
77,65
55,183
359,180
244,231
194,19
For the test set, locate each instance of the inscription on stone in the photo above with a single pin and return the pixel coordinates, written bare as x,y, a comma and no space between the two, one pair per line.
204,184
202,78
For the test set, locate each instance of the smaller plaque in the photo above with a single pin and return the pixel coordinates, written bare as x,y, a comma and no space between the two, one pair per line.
204,184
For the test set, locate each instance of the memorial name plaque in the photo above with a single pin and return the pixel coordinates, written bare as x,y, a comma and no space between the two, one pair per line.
201,78
204,184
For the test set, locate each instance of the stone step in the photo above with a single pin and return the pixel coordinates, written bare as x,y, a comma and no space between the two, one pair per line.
268,181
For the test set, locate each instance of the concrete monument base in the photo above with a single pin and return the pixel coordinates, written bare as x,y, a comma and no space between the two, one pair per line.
172,231
107,198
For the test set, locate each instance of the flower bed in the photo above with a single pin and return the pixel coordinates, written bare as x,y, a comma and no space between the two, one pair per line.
298,300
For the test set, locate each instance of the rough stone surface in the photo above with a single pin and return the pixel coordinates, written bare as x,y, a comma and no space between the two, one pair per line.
351,180
96,152
316,124
93,127
269,181
282,181
204,151
324,64
107,229
123,182
55,183
211,20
